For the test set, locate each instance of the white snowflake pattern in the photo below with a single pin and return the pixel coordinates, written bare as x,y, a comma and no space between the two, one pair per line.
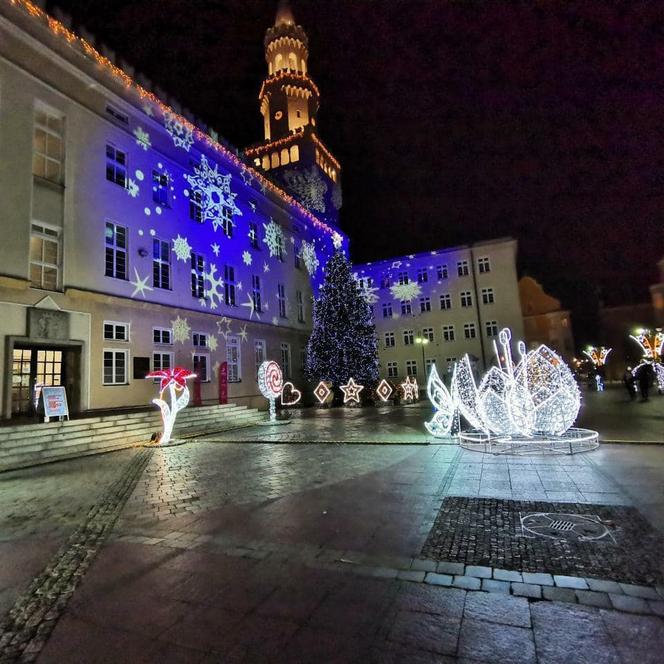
215,249
368,293
252,205
275,320
147,109
337,240
274,238
181,133
246,258
212,343
181,248
308,187
132,188
217,197
239,285
405,291
181,329
243,333
140,284
247,177
213,286
308,253
251,305
142,138
266,267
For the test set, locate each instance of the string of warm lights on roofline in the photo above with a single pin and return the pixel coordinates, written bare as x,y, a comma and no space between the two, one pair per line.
72,39
287,73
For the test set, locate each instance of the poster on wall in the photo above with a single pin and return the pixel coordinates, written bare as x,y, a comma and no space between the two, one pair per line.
55,402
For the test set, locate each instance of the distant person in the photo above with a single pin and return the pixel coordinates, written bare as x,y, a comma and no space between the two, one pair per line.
630,383
645,376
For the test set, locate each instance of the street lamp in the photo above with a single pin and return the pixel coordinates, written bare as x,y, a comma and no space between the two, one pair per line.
423,341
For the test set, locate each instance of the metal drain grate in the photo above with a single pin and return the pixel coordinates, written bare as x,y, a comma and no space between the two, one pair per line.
571,527
561,525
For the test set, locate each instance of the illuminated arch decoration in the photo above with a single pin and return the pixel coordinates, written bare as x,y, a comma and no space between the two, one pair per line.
294,396
271,384
651,343
351,391
175,381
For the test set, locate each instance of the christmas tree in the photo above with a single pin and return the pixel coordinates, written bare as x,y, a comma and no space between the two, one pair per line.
343,341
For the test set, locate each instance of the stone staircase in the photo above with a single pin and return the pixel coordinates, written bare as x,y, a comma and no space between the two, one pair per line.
32,444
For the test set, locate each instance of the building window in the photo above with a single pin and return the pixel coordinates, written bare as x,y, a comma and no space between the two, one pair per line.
408,337
385,281
469,330
196,207
387,310
445,301
491,328
392,369
162,336
117,114
233,358
161,264
487,296
200,339
197,276
403,278
299,299
227,221
229,285
44,257
462,268
259,354
160,186
450,361
280,247
116,165
256,293
425,304
115,367
483,265
253,235
427,333
281,297
161,360
201,363
466,299
442,272
429,362
286,360
422,275
389,340
405,308
116,251
411,368
297,259
48,145
116,331
448,332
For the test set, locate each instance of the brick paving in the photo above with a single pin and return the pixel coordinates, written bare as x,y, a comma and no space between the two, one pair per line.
306,553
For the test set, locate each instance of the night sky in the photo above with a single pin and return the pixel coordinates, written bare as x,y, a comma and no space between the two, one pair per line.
453,121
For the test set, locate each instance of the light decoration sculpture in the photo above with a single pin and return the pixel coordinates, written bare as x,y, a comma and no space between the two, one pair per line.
535,400
410,388
322,392
384,390
597,355
351,391
271,384
652,345
175,381
294,395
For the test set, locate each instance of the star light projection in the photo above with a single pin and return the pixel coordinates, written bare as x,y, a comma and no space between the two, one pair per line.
175,380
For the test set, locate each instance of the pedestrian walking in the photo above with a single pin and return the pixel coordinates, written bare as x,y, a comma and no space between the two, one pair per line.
645,376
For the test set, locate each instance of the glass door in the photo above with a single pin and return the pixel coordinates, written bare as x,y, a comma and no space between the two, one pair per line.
21,392
32,369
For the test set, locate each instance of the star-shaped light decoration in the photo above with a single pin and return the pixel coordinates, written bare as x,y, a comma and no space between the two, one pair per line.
243,333
410,389
266,267
224,326
140,285
251,305
322,392
178,376
351,391
215,249
384,390
247,177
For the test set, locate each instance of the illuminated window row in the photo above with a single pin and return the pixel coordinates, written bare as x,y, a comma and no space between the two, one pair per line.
279,158
325,165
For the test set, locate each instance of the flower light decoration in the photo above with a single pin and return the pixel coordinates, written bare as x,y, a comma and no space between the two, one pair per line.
533,400
271,384
597,355
175,380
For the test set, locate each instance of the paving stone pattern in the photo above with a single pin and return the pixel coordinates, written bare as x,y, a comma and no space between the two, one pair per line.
27,626
487,531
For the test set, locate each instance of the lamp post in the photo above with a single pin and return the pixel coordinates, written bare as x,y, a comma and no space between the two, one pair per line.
423,341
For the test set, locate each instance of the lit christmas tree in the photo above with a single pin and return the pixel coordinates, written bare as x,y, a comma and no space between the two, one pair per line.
343,341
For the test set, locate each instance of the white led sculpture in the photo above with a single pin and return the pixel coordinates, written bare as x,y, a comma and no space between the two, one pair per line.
271,384
443,419
175,380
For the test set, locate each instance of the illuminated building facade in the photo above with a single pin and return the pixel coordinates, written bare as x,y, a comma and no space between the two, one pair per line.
435,307
133,239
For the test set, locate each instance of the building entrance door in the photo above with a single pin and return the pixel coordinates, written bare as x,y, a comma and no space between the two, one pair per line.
32,368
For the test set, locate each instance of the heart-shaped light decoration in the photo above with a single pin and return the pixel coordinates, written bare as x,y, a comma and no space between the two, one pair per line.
290,395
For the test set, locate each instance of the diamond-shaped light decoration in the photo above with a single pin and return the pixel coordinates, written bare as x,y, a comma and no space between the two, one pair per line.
322,392
384,390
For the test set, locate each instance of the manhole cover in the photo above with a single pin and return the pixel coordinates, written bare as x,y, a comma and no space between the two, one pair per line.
571,527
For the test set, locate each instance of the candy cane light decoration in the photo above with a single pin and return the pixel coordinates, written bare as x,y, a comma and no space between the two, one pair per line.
271,384
175,380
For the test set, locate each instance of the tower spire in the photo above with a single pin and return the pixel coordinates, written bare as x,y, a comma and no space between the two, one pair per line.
284,14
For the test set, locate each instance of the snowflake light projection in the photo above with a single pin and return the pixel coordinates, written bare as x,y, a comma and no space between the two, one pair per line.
405,291
175,380
181,134
181,248
274,238
308,186
516,408
368,293
181,329
212,343
597,355
337,240
246,258
217,198
271,384
132,188
213,286
652,343
308,253
142,138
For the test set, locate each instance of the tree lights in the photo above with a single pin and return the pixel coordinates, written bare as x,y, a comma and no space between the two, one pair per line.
175,380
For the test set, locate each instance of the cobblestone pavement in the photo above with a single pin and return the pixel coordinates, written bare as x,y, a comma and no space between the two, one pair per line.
236,552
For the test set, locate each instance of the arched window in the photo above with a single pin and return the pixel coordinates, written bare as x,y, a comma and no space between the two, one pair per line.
295,153
284,157
292,61
269,67
266,162
274,160
304,66
278,62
